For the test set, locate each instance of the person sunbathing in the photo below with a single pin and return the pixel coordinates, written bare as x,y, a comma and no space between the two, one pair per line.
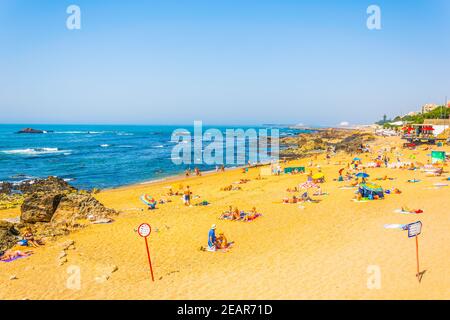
252,215
12,254
227,188
406,209
236,214
221,241
29,237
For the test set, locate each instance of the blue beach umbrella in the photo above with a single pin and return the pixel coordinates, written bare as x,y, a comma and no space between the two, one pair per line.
362,175
356,159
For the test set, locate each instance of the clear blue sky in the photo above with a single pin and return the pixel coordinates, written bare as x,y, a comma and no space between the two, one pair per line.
220,61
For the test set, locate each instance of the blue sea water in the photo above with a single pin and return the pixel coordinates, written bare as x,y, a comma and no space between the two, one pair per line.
93,156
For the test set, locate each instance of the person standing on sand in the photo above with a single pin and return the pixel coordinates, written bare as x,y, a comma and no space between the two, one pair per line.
187,196
212,237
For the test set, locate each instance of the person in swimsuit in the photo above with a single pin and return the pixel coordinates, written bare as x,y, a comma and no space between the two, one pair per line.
187,196
11,254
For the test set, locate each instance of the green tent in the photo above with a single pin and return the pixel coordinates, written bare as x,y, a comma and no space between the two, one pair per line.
437,156
293,169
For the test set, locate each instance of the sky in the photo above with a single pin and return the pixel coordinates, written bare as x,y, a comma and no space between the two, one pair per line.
221,61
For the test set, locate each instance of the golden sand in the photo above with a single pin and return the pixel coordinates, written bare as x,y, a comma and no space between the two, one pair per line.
326,250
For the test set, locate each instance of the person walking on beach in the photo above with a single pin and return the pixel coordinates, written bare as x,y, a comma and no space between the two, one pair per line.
187,196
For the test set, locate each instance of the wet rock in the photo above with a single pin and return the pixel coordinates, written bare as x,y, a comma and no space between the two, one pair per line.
30,130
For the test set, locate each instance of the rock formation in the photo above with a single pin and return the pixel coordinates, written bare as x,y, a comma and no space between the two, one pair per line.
7,235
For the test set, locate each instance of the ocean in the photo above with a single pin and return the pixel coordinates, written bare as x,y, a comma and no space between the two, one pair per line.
95,156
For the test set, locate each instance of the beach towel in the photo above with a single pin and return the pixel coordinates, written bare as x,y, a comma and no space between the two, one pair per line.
230,244
440,184
407,212
396,226
361,201
15,258
103,221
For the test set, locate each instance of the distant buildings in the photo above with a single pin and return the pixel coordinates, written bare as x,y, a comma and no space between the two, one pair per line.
429,107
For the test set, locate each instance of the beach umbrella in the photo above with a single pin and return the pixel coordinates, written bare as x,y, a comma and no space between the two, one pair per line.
308,185
148,200
356,159
318,176
362,175
372,187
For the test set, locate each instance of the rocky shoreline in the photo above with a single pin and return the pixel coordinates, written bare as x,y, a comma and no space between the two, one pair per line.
325,140
49,208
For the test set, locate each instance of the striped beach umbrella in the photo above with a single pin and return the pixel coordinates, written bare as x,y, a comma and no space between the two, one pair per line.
308,185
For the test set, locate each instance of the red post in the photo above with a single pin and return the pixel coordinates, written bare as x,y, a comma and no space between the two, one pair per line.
149,260
417,255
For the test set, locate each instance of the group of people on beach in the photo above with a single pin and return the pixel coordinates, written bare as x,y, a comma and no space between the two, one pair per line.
219,242
21,248
238,215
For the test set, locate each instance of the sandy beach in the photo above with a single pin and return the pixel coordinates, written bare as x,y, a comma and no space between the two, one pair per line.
324,250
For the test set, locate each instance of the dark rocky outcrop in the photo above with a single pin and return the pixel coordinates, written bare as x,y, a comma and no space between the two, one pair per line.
59,213
78,206
51,207
39,207
324,140
6,187
7,235
65,208
49,185
30,130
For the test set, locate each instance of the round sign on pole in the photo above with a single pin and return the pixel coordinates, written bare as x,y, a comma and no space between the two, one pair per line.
144,230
